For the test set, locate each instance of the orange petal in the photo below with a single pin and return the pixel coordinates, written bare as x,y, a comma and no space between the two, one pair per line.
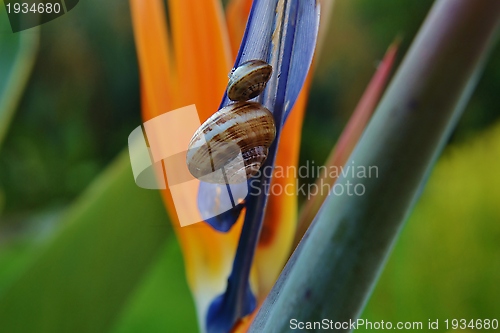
152,44
201,64
236,16
202,57
202,53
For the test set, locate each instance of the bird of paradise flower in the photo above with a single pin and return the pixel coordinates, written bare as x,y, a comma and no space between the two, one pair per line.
334,268
186,61
249,245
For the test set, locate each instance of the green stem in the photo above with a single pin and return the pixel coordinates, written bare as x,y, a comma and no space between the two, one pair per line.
335,267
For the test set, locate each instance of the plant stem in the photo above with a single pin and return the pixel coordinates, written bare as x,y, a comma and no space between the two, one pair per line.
333,272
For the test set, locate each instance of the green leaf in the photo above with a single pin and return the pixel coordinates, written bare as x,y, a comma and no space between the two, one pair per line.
17,57
163,303
83,278
2,200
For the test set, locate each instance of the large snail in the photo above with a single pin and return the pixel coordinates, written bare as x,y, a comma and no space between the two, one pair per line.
231,145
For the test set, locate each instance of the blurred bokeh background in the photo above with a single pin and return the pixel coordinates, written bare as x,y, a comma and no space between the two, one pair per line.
82,249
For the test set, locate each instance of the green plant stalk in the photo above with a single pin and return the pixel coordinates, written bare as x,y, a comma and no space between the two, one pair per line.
17,77
334,269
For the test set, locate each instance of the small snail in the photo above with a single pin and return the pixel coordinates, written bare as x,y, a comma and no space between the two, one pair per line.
234,140
233,143
248,80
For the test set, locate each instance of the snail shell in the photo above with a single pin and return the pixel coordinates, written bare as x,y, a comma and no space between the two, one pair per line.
234,140
248,80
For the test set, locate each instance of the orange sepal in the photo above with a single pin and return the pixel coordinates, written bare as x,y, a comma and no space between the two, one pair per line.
152,44
202,53
237,12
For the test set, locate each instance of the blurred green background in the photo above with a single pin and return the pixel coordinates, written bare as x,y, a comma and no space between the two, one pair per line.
82,249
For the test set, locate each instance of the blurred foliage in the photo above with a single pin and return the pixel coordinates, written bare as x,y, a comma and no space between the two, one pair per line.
16,61
163,302
81,278
359,33
17,55
446,262
111,263
78,109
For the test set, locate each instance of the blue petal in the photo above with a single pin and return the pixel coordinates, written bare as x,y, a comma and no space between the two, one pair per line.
223,222
220,205
304,42
221,313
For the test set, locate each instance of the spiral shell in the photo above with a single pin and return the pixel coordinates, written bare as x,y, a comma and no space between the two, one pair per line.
231,146
248,80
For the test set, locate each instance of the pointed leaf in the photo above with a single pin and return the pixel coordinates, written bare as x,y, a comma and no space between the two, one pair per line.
82,278
17,57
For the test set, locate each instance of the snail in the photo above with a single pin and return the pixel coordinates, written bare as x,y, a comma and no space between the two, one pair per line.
248,80
231,146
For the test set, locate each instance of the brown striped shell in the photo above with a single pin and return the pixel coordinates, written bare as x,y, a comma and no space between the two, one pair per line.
231,146
248,80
